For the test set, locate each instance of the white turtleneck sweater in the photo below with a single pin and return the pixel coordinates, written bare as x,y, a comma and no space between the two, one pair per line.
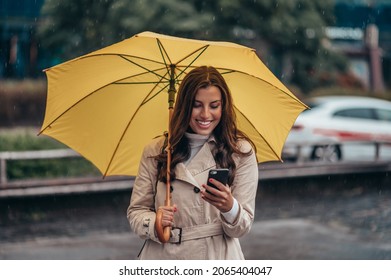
196,142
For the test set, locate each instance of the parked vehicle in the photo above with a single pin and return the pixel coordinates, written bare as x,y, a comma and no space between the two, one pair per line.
341,127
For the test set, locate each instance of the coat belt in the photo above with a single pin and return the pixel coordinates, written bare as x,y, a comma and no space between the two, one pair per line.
195,232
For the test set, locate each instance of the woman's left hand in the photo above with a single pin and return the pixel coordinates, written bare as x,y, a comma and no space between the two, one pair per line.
221,197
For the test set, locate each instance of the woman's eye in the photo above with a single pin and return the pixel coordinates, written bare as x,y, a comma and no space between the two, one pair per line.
215,106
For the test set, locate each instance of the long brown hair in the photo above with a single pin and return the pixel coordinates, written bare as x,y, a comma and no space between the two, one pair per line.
226,132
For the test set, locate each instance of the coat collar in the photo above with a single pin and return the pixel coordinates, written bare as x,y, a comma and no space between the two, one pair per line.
202,161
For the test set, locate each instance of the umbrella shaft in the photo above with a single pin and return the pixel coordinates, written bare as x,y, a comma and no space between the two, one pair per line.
171,100
171,90
168,182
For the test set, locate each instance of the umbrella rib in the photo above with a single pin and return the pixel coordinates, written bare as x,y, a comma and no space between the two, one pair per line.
263,80
146,99
134,83
111,54
115,54
69,108
200,52
260,135
164,54
142,67
139,74
153,96
168,67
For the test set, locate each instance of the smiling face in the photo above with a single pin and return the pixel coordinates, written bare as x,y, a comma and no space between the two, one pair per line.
207,110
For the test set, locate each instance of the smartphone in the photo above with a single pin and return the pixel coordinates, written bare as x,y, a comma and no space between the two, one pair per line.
220,174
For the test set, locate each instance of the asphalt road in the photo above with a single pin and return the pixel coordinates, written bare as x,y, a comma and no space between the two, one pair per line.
313,219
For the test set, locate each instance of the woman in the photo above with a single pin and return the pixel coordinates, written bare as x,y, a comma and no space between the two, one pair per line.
204,136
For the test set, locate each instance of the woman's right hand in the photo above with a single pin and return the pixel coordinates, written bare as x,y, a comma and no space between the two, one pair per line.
168,215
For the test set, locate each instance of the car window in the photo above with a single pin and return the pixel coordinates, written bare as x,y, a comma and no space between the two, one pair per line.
357,113
384,115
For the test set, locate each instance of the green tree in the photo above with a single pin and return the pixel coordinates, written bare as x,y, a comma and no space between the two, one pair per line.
74,27
291,30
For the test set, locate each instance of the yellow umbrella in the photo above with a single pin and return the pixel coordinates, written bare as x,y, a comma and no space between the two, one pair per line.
108,104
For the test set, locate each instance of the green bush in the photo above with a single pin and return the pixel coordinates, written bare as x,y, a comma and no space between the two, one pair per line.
41,168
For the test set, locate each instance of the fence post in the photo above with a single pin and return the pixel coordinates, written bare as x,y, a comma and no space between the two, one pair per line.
299,156
377,150
3,171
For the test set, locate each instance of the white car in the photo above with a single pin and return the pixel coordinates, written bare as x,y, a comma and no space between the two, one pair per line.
341,128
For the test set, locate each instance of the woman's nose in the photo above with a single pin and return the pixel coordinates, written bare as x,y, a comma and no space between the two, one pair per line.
205,113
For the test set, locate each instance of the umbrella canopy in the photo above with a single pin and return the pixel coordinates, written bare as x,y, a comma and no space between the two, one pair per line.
108,104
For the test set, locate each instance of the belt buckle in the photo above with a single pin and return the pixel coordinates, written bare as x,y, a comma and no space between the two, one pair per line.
179,234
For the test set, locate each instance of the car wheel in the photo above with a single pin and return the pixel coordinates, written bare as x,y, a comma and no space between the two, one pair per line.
329,153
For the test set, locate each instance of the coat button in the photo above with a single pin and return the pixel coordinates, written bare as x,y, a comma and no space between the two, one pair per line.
196,190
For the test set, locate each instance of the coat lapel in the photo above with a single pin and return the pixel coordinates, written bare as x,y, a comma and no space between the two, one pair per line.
202,161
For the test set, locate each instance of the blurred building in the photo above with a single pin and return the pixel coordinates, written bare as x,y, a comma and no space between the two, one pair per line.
19,52
363,32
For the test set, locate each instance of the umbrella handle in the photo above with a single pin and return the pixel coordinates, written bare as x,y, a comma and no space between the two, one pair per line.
163,234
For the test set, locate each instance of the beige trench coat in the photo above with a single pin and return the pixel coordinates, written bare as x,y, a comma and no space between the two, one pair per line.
205,233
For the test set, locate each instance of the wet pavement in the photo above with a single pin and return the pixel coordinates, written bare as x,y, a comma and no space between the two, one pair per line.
340,217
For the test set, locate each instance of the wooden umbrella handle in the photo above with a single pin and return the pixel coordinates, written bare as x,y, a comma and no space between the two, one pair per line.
164,234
